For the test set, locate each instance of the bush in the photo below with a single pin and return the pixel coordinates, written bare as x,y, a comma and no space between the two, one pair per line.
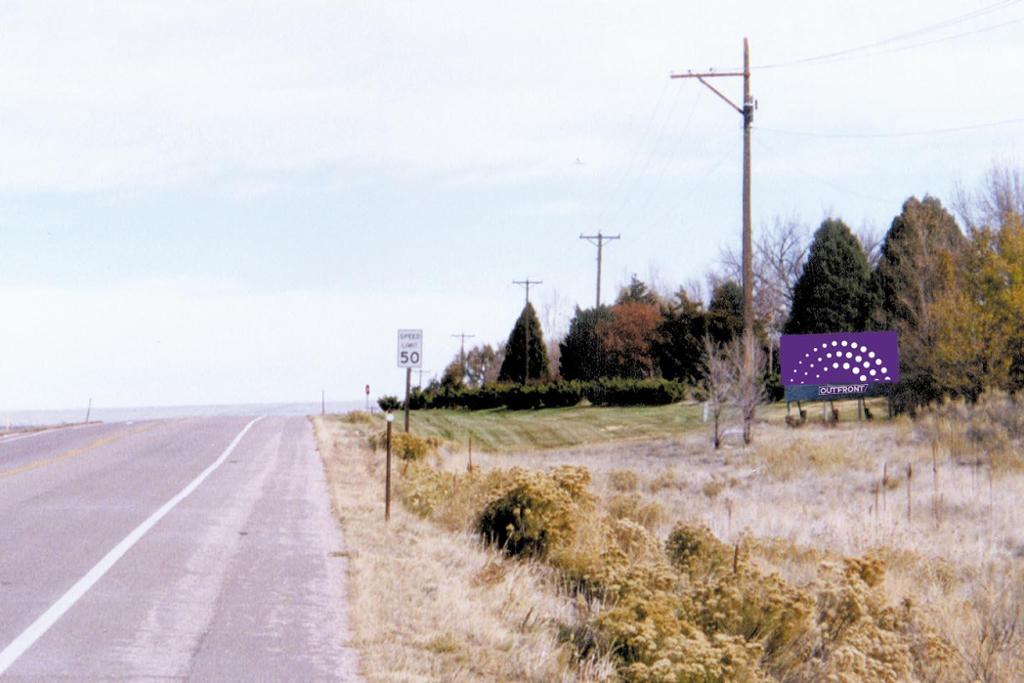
604,392
667,479
389,403
537,511
623,481
633,508
695,609
358,417
404,446
695,551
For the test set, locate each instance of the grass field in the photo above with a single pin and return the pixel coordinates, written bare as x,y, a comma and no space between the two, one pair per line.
504,431
510,431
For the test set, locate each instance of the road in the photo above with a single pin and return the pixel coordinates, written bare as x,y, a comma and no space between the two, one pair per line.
191,549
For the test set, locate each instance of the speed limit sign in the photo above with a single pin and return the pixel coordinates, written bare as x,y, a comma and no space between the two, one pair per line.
410,348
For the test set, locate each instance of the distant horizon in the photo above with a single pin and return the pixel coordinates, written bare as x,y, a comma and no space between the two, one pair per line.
33,417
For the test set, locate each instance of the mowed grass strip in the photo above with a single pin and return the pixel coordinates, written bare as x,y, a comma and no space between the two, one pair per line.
504,431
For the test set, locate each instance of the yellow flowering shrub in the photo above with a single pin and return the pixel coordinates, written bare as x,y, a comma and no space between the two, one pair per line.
536,510
691,608
405,446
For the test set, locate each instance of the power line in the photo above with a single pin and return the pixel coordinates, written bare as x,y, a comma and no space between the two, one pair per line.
636,153
898,134
851,53
653,146
807,174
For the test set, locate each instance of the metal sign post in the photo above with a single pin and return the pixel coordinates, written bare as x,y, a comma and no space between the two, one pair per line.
410,355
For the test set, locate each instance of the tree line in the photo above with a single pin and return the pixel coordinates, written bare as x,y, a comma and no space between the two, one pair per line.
953,290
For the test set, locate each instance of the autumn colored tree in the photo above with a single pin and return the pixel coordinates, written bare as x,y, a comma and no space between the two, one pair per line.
453,375
916,267
525,340
627,339
979,324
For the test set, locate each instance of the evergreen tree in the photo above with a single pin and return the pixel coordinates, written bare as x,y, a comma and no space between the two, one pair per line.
679,346
582,356
834,291
637,292
725,313
514,366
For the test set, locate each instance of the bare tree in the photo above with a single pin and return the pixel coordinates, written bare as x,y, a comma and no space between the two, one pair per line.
717,383
730,381
871,238
555,312
779,253
1000,198
748,391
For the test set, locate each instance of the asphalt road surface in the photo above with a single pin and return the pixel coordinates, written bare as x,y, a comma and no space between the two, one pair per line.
194,549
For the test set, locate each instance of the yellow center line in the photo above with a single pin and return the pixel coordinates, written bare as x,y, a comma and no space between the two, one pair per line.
75,452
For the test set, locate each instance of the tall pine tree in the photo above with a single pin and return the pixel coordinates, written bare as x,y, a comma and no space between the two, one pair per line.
679,346
520,344
834,292
725,312
582,356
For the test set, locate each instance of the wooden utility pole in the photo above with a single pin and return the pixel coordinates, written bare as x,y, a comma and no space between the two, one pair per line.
462,337
598,240
526,356
747,112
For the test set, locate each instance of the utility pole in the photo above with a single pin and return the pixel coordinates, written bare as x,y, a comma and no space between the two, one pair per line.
747,112
421,371
462,336
526,356
598,240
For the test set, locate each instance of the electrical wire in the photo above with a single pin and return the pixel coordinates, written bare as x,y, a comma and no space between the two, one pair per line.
900,134
851,53
636,152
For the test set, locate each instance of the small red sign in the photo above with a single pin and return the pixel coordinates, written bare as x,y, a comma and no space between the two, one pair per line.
367,389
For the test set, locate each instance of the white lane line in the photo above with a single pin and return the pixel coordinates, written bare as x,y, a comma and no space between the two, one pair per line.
11,438
48,618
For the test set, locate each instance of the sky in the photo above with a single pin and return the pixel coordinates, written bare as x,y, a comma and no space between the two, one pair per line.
233,202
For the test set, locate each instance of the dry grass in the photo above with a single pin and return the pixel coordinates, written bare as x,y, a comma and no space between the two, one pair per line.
950,532
430,605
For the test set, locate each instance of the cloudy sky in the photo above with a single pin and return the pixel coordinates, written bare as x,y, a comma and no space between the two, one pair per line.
224,202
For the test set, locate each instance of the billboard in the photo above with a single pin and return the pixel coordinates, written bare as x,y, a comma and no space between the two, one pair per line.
838,365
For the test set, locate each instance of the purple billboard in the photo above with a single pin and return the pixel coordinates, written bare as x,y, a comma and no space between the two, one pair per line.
839,358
